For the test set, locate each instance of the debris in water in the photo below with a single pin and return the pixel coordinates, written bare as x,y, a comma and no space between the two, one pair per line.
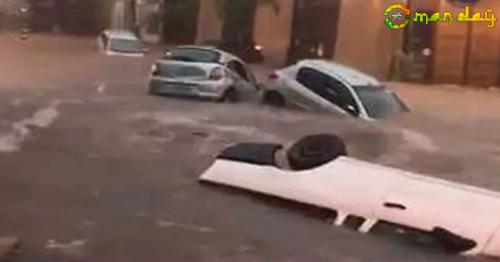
189,227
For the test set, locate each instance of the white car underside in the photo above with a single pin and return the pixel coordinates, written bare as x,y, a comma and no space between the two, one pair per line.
467,215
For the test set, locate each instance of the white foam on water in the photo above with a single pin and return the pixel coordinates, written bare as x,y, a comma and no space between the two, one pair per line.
21,130
101,87
189,227
198,121
419,140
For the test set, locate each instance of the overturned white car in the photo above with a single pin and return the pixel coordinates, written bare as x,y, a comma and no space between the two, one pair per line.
462,218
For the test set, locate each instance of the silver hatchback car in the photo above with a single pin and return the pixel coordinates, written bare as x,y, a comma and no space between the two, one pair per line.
120,43
201,71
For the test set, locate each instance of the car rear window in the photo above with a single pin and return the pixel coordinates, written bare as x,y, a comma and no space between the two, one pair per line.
193,55
126,45
180,71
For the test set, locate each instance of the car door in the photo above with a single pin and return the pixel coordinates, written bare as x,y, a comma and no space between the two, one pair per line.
251,77
319,91
241,76
300,90
239,70
338,93
102,42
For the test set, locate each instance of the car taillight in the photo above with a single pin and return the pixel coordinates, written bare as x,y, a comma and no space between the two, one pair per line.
216,74
154,70
273,76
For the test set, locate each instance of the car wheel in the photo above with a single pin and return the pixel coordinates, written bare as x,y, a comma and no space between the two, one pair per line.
274,98
316,150
151,91
230,96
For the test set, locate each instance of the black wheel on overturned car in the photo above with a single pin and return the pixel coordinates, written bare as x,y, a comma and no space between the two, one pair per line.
274,98
315,150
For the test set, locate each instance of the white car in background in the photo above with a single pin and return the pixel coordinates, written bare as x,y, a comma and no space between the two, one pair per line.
324,86
204,72
120,42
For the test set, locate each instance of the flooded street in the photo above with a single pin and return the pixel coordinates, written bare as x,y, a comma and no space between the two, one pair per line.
94,169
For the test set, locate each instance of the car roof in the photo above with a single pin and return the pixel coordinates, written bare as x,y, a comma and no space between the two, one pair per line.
350,75
123,34
224,56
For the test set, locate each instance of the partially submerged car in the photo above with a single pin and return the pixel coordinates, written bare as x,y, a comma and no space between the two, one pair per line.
202,71
120,42
324,86
463,219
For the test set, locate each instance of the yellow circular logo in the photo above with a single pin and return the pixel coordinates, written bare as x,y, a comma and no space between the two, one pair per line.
397,16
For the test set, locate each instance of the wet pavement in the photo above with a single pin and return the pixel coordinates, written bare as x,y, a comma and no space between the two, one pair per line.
93,169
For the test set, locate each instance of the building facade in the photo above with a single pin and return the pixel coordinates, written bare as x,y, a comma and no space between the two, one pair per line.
467,53
348,31
69,16
11,14
354,33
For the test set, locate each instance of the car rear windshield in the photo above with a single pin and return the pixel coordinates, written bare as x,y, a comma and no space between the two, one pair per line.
193,55
180,71
379,102
126,45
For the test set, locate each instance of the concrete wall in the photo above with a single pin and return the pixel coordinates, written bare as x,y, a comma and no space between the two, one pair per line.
364,41
273,31
209,22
